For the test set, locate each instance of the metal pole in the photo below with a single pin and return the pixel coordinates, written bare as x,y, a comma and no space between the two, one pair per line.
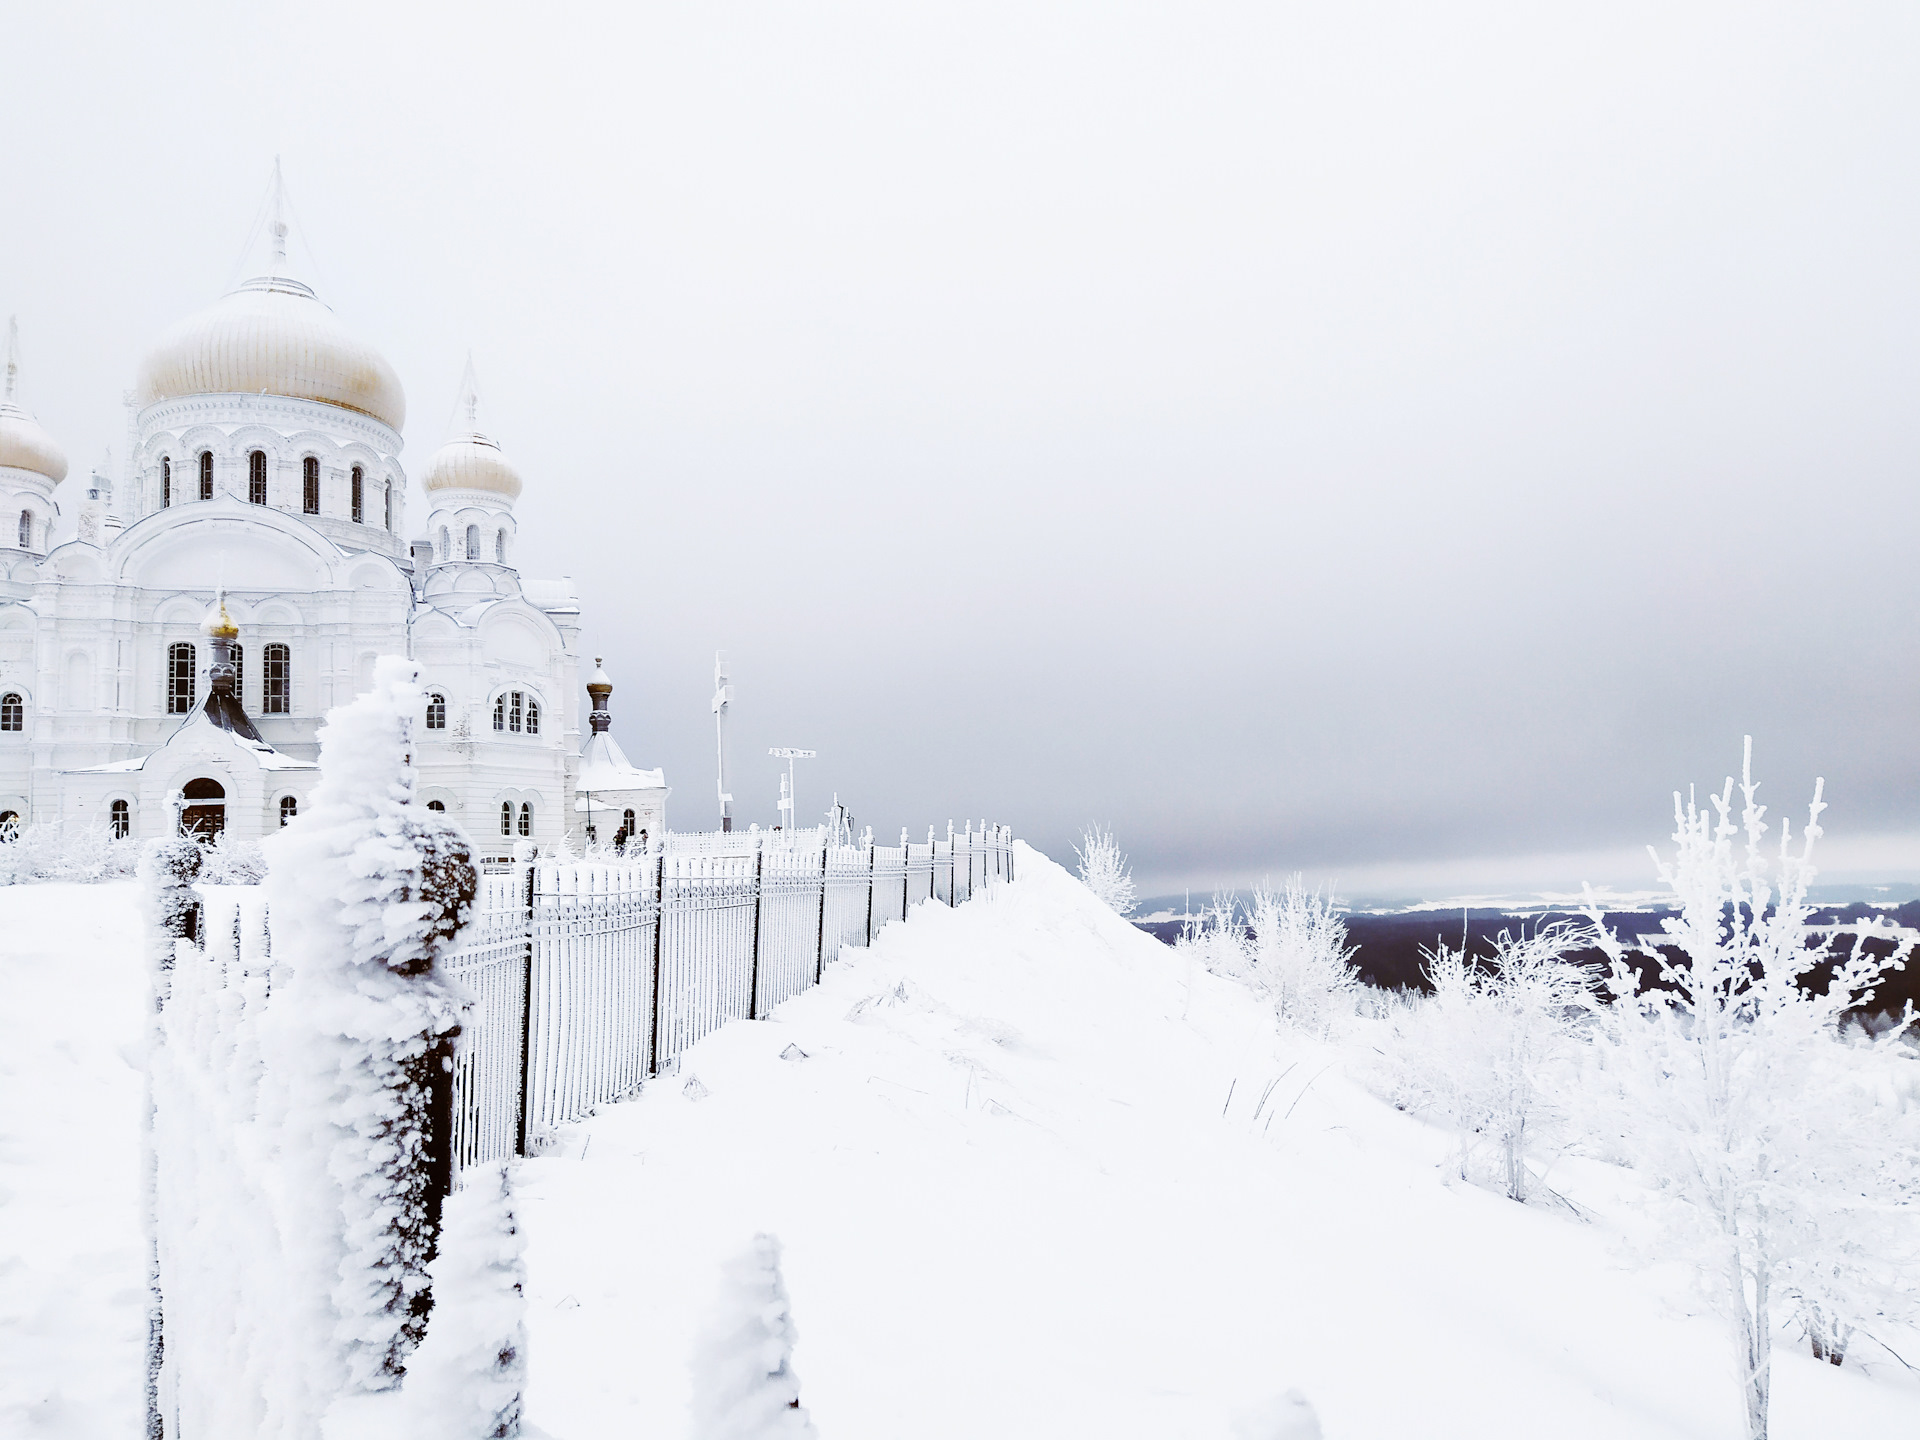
659,927
820,942
526,1017
871,864
753,982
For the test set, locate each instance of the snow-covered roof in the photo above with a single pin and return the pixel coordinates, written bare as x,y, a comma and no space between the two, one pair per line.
258,750
603,766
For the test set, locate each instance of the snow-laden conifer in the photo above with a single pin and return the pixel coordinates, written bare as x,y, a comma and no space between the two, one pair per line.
1103,869
744,1387
1737,1096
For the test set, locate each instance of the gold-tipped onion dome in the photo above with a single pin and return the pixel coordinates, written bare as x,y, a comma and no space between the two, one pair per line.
25,446
218,624
272,336
471,462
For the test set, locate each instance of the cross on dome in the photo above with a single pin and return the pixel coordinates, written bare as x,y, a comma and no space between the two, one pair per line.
471,460
23,444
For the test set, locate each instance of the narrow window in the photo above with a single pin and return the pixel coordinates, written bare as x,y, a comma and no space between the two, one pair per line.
533,716
26,529
500,713
240,674
500,547
387,491
13,712
513,712
436,805
257,476
289,807
309,485
276,685
166,482
121,819
436,712
180,668
445,554
473,542
359,492
526,819
506,817
206,474
626,830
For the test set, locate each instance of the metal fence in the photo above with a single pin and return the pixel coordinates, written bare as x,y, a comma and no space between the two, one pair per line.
590,976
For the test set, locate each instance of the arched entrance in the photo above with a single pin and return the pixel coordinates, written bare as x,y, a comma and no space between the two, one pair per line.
204,815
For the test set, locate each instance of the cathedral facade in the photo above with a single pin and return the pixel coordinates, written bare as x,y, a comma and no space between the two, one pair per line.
258,527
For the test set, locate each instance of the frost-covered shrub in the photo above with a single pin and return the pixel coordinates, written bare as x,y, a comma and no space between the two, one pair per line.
1784,1163
231,861
1299,957
1103,869
1490,1051
744,1387
50,852
1215,938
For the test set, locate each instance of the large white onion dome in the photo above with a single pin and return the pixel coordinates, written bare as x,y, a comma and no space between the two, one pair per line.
23,444
471,460
273,336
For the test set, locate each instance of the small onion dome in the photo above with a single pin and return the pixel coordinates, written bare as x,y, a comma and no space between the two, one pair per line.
219,625
23,444
472,462
599,684
272,336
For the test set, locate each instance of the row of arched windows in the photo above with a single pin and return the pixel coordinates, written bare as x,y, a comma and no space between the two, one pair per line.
276,683
507,819
474,546
257,485
516,711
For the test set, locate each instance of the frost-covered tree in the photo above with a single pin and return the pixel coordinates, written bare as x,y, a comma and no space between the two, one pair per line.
1215,938
466,1379
1104,869
744,1387
368,888
1738,1097
1300,958
1483,1052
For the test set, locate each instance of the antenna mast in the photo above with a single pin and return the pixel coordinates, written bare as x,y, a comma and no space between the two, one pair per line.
722,698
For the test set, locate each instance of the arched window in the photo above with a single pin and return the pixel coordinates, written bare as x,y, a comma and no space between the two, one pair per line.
445,554
289,807
257,477
436,712
437,805
13,712
276,685
359,492
506,817
26,529
387,491
500,547
206,474
626,831
309,485
120,818
500,713
180,668
515,704
526,819
533,716
473,542
166,482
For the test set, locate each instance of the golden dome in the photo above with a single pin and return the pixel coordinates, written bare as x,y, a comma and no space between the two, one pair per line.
23,444
471,462
219,625
272,336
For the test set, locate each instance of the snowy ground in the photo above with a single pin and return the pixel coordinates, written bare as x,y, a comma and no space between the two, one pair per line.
1015,1196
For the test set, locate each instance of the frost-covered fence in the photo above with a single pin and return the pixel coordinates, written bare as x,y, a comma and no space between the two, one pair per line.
591,975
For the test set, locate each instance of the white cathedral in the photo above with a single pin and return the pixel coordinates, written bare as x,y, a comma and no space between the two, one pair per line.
166,669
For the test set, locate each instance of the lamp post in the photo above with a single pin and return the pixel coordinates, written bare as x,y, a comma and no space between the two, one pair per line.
782,752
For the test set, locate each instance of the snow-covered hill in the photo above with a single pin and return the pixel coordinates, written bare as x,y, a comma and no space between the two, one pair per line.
1033,1179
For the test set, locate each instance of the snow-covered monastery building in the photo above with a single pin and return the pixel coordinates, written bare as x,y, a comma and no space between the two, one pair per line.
264,464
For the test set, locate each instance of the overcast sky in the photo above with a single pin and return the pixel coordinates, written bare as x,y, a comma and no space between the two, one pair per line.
1402,442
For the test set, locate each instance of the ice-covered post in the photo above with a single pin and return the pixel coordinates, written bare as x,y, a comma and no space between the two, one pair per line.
368,888
167,872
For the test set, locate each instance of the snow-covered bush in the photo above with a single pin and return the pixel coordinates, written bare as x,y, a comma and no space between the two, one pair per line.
50,851
1103,869
1487,1053
231,861
1215,938
1300,958
1735,1094
744,1387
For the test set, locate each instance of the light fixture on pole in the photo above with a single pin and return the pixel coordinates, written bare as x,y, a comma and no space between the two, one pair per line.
782,752
722,698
